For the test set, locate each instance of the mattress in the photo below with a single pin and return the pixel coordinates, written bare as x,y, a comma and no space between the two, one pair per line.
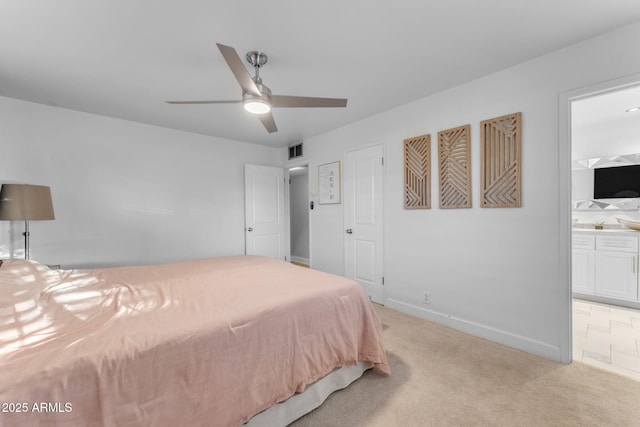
204,342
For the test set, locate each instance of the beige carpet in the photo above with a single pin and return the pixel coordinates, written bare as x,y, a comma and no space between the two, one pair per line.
442,377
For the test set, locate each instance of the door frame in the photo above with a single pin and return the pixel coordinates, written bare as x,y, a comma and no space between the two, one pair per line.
564,186
288,209
384,209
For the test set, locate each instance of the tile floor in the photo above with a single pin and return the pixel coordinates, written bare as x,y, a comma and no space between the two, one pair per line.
607,336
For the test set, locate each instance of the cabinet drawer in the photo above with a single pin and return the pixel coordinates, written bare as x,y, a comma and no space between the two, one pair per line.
583,241
617,243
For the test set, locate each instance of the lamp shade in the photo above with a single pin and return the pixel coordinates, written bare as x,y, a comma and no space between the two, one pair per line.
23,202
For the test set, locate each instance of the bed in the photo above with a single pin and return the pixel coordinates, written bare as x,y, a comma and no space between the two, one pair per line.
217,342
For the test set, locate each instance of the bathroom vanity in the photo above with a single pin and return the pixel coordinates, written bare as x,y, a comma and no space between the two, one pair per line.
605,265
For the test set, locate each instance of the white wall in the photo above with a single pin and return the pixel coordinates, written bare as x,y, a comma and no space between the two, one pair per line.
499,273
123,192
601,126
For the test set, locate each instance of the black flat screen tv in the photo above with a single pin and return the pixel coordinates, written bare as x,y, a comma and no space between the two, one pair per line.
616,182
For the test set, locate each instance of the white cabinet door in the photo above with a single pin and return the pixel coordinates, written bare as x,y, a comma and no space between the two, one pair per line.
583,270
617,274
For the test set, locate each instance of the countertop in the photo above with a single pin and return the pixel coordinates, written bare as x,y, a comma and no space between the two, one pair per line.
608,230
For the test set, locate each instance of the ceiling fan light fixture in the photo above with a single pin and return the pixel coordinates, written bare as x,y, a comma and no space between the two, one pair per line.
257,106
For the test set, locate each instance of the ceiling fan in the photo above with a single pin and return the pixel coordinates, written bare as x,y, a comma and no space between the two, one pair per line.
257,97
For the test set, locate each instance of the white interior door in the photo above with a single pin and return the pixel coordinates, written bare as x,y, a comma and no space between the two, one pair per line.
363,207
264,211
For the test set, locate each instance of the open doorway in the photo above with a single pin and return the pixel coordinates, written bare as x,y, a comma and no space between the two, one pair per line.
299,215
604,128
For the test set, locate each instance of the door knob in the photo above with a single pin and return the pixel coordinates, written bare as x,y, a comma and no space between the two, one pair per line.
250,229
349,231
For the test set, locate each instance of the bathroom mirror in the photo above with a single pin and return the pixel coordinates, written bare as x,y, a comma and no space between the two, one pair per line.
582,184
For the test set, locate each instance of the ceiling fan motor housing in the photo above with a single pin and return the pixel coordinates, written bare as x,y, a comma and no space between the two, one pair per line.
265,92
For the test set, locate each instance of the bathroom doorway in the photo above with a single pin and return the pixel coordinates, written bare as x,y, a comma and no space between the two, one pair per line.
299,215
604,129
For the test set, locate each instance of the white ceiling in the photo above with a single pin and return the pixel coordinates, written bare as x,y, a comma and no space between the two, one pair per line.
124,58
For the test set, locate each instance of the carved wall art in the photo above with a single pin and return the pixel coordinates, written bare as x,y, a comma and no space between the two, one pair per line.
501,162
454,160
417,172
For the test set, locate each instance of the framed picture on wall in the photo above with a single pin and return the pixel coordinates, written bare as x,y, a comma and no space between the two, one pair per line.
329,183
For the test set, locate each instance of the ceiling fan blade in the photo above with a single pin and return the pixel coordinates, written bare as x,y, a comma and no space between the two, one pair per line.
203,102
268,122
283,101
238,69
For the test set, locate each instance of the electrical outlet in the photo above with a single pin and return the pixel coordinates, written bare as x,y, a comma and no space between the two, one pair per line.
427,298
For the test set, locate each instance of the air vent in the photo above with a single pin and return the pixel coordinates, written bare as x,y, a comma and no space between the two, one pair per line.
295,151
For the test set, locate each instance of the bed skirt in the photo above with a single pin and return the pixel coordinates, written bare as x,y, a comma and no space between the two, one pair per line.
284,413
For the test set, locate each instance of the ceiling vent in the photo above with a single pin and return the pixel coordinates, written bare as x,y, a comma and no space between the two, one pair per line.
295,151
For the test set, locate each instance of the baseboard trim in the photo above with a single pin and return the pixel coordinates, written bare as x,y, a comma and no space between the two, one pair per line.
483,331
300,260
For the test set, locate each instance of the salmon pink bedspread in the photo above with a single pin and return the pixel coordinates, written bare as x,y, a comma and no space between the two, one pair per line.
208,342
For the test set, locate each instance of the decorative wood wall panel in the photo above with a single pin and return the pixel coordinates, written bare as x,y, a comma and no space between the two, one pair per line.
454,159
501,162
417,172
